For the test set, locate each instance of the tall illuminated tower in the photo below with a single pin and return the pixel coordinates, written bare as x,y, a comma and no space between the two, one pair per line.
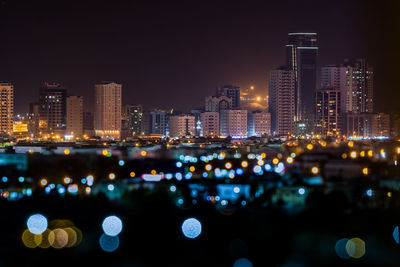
107,114
301,57
6,107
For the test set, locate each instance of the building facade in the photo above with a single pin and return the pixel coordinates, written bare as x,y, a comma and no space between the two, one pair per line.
107,114
367,125
217,103
328,116
181,125
233,123
53,108
6,108
233,92
210,124
133,115
302,53
75,116
282,101
259,123
158,122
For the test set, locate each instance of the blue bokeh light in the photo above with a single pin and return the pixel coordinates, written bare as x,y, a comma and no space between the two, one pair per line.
121,163
37,224
112,225
4,179
396,235
109,243
242,262
340,248
191,228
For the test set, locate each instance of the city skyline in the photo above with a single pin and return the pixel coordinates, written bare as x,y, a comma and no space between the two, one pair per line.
239,56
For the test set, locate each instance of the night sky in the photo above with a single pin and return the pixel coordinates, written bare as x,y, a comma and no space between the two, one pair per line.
171,54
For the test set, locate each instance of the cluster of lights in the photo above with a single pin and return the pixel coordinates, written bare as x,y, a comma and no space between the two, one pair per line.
62,235
350,248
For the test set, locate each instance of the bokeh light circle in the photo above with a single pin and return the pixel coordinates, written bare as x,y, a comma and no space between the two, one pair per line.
191,228
242,262
396,235
58,238
37,224
31,240
109,243
340,248
355,247
112,225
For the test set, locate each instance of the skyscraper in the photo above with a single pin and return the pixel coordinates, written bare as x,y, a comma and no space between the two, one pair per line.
328,114
282,101
233,92
107,115
133,114
360,86
354,80
33,117
53,107
6,108
75,116
301,57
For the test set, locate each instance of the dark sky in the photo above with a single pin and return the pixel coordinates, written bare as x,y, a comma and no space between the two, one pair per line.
173,53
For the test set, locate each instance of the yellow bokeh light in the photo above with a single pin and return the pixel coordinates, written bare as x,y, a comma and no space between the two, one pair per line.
355,247
365,171
192,168
350,143
362,153
310,146
275,161
66,151
111,176
208,167
67,180
314,170
132,174
260,162
353,154
143,153
370,153
244,164
43,182
289,160
389,194
31,240
398,150
263,155
105,152
58,238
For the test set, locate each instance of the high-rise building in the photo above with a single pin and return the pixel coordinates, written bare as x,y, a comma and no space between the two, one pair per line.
360,86
158,122
301,57
53,108
233,92
6,108
33,119
75,116
133,115
210,124
259,123
217,103
336,78
233,123
282,101
181,125
88,124
107,115
354,80
367,125
328,114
